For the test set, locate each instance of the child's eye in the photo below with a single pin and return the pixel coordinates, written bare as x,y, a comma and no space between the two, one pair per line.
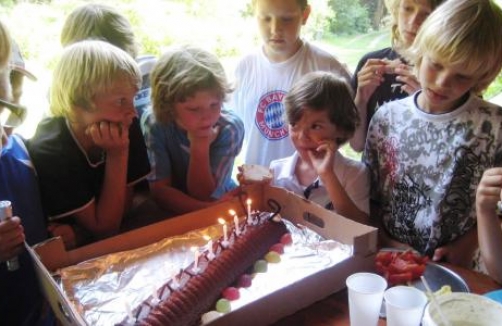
215,106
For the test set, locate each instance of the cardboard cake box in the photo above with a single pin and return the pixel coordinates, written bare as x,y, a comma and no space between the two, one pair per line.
51,255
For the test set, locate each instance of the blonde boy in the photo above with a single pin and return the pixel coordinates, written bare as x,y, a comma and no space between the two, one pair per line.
385,75
192,140
86,158
264,77
427,152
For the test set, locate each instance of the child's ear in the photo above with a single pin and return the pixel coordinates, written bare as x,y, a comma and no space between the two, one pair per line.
306,14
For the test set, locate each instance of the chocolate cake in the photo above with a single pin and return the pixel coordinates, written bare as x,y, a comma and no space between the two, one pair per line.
195,289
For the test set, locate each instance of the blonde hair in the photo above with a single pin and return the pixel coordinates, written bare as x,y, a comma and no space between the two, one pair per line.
86,69
463,32
393,8
98,21
180,73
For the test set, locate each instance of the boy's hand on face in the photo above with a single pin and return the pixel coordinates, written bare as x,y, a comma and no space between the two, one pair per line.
109,136
323,157
205,138
11,238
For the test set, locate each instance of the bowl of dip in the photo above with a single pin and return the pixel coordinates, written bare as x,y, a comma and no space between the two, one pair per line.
464,309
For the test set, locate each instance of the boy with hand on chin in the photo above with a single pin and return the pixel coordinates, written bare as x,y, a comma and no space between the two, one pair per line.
86,158
264,77
192,140
322,117
427,152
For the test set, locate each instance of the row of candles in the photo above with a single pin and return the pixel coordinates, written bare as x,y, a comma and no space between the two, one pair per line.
225,242
196,251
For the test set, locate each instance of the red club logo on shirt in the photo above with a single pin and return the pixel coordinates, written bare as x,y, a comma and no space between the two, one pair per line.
270,116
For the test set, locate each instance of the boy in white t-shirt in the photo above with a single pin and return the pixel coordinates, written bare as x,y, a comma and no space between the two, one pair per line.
264,76
322,117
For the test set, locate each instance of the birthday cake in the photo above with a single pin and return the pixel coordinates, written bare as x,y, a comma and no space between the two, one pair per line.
165,284
183,301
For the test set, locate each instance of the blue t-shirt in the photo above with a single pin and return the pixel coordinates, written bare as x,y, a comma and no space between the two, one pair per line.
169,151
20,297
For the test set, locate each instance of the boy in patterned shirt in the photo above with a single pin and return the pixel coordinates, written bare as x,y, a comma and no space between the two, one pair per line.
427,152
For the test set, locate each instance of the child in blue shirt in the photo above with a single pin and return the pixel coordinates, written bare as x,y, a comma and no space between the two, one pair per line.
192,141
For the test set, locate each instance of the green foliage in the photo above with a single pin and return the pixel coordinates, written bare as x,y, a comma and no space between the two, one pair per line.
495,88
350,17
7,3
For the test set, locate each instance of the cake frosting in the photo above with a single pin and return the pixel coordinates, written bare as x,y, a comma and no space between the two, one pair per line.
184,300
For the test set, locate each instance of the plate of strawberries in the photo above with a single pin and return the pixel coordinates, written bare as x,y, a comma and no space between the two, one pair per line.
404,267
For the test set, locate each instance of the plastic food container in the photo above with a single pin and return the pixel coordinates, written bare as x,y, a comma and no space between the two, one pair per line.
464,309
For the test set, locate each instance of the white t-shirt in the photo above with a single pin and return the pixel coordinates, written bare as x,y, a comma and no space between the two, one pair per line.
260,87
353,176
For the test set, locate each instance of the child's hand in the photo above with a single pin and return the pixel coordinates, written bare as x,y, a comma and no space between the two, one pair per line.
109,136
323,157
489,191
370,77
407,77
253,174
66,233
205,137
11,238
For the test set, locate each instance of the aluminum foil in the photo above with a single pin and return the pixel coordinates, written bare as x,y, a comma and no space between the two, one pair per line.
105,290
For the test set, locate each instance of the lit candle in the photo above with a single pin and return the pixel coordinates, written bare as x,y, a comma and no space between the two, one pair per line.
210,254
236,221
225,231
196,259
248,205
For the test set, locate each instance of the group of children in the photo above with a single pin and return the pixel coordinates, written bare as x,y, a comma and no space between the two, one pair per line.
430,177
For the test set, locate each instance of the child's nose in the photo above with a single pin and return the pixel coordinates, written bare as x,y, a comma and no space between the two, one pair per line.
130,111
443,80
275,25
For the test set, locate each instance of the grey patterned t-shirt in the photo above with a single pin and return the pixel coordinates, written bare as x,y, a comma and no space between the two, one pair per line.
425,168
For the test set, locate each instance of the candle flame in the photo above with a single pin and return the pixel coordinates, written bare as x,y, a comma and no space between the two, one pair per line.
206,237
231,212
248,201
221,221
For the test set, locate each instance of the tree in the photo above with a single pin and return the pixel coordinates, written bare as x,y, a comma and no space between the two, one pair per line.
350,17
376,11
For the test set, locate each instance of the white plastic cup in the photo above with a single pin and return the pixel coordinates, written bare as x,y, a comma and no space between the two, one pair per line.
404,306
365,298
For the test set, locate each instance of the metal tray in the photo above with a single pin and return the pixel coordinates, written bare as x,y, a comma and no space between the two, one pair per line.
437,276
